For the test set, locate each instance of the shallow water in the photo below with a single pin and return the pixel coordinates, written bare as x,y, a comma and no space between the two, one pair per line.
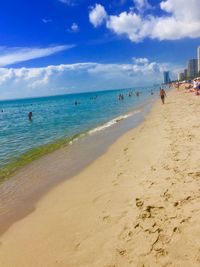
56,121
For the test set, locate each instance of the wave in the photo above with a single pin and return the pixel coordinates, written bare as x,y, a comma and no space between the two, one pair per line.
113,121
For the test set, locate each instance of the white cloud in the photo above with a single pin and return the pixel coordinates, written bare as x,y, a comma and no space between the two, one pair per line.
97,15
68,2
74,27
140,60
179,19
142,5
126,23
14,55
46,21
70,78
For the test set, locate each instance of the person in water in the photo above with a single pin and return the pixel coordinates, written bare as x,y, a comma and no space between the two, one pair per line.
30,115
121,97
162,95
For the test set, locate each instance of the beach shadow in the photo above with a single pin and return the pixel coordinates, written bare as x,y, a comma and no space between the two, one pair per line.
168,103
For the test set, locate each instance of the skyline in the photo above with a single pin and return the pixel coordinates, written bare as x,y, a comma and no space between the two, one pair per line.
66,46
191,69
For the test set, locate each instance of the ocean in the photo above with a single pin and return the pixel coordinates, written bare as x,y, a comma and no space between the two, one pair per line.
58,120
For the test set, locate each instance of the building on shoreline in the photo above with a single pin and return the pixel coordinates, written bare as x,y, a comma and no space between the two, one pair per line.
166,78
181,76
192,69
185,74
198,57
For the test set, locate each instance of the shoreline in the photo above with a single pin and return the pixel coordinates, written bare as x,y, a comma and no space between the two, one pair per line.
14,166
136,205
21,192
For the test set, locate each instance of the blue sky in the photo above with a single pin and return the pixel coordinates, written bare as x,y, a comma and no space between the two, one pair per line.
65,46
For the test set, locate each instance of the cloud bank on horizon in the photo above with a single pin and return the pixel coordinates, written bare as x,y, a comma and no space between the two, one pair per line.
69,78
178,19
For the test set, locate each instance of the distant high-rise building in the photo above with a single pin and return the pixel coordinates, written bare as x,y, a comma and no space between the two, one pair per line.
198,57
185,74
181,76
192,69
166,78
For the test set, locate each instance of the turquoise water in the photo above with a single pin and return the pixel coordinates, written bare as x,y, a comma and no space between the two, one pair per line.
58,118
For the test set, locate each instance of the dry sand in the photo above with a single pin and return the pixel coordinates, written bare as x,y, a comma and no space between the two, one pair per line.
137,205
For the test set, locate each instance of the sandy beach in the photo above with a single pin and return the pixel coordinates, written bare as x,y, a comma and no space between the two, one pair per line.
136,205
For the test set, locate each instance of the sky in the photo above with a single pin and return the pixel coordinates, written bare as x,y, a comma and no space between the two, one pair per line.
54,47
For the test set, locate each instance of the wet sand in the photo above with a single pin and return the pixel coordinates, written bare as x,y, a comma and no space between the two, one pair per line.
136,205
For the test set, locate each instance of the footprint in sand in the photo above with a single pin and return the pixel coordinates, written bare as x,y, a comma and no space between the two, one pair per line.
77,245
151,184
121,251
114,182
106,218
166,167
182,201
176,159
150,212
126,234
153,168
190,136
175,154
176,229
194,174
166,195
139,202
125,149
176,170
185,220
119,174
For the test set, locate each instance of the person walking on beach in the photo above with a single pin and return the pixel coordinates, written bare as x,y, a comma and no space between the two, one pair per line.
162,95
